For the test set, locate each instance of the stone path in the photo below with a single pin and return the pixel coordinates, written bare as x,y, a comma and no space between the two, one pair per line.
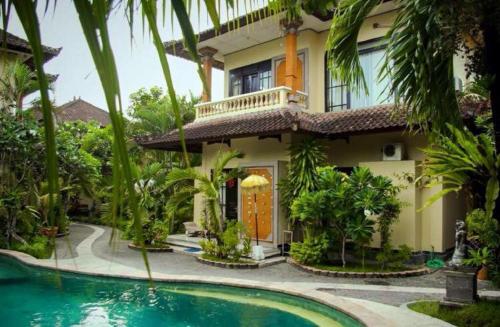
88,250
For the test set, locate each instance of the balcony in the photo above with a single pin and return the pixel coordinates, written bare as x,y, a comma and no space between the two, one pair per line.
275,98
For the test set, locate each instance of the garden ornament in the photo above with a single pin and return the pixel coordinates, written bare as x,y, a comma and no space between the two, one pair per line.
460,246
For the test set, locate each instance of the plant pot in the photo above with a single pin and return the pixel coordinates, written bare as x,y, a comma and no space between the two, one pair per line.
482,274
49,231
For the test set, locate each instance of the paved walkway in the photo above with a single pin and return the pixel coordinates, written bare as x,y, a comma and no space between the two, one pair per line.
88,249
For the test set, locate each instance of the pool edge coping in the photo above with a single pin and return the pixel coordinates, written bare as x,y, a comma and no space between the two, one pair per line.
357,312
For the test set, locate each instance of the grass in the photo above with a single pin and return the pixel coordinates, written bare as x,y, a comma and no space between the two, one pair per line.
482,314
225,260
359,268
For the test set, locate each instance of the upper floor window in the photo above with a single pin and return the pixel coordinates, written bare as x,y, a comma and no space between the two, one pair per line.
251,78
338,96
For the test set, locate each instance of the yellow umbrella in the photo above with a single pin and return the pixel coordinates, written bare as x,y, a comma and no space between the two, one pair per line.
255,184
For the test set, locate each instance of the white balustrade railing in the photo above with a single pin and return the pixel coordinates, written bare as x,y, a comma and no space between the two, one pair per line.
275,98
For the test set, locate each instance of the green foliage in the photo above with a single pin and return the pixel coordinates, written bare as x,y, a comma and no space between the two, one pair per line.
482,314
344,204
463,160
152,112
420,28
479,257
305,157
16,81
483,228
389,258
312,250
208,186
236,242
154,232
40,247
361,230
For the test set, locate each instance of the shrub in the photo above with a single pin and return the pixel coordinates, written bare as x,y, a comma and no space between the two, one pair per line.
153,231
236,242
395,259
40,247
311,251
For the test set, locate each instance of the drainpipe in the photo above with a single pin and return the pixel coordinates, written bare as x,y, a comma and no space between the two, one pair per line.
207,60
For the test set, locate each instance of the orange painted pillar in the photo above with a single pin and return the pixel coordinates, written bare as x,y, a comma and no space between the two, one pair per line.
291,59
207,60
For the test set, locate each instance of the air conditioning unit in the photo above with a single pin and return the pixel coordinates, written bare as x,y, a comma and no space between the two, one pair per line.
393,151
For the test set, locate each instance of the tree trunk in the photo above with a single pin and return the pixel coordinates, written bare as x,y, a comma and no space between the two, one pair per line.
343,251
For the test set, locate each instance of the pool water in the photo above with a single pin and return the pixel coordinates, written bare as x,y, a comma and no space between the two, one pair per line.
39,297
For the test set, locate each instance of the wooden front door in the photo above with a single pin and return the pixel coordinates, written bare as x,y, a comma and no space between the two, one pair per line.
264,208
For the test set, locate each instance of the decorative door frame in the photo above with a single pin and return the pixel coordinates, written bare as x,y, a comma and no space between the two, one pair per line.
273,166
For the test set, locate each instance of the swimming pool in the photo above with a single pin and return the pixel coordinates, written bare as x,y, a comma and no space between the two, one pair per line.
39,297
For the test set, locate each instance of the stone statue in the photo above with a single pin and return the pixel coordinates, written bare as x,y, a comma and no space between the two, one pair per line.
460,246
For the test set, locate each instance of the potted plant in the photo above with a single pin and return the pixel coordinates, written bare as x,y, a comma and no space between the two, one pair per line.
480,258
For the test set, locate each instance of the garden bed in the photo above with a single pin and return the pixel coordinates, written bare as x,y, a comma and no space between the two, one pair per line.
483,313
150,248
227,263
335,271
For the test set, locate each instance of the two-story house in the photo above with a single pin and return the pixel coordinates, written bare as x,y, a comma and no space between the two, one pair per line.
277,90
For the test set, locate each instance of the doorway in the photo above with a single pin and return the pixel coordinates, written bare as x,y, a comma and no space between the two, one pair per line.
264,208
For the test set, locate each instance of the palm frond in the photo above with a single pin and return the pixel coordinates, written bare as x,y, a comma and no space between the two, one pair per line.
26,11
223,159
342,42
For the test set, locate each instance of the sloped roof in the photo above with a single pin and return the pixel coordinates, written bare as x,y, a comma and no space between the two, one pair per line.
272,122
15,43
79,109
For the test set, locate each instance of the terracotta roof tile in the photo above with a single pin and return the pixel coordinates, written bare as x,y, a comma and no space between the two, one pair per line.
79,109
378,118
16,43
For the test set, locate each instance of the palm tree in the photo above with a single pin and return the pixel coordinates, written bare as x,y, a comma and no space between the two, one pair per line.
17,81
208,186
419,54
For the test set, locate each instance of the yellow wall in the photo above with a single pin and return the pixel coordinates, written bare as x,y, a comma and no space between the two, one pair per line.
313,42
264,152
425,229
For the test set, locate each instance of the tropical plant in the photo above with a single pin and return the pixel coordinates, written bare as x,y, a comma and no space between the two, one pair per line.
312,250
361,230
151,111
16,81
479,257
463,161
305,157
393,258
483,229
344,203
208,186
236,242
421,28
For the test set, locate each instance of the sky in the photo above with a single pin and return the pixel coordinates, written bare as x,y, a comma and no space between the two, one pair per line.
138,64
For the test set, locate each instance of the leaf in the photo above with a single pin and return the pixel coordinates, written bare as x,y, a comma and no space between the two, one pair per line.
491,195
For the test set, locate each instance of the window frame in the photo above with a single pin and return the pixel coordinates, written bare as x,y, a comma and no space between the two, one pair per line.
367,46
255,68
